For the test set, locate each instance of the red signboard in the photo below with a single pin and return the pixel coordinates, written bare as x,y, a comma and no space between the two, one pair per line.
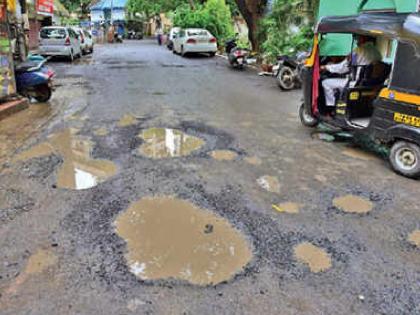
45,7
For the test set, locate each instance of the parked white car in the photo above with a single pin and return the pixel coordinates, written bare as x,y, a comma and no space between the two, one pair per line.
195,40
86,42
59,41
172,34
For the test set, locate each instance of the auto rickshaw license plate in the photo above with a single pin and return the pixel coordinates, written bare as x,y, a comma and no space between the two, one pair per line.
407,119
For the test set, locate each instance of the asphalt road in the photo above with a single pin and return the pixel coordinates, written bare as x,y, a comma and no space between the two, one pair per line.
340,239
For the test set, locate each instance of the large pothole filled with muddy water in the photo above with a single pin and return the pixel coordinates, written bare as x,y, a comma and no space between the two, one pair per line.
169,238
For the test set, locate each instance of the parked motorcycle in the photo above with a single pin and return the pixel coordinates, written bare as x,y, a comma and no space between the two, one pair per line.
118,38
288,72
237,56
34,80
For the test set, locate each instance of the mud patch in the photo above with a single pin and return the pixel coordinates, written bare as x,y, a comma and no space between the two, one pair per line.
315,257
358,154
40,261
164,143
172,238
100,132
37,264
223,155
269,183
414,238
287,207
127,120
78,171
253,160
13,203
353,204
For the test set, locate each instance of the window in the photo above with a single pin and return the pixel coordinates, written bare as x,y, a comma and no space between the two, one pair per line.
53,33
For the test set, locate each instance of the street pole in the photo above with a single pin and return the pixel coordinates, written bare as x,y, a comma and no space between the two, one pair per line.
112,9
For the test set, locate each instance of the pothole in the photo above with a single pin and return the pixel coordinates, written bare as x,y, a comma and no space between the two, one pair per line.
127,120
353,204
223,155
172,238
287,207
253,160
78,171
414,238
100,132
164,143
269,183
315,257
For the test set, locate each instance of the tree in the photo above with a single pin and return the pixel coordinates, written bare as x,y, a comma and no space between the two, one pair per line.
253,12
214,16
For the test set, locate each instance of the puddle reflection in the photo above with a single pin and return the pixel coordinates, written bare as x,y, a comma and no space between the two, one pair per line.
165,143
79,171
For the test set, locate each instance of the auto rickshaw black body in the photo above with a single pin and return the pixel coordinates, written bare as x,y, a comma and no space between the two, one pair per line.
380,100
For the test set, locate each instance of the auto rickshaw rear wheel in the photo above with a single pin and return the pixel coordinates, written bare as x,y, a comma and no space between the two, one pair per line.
306,118
405,158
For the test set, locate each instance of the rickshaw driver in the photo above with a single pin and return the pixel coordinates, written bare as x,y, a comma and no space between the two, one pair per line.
365,54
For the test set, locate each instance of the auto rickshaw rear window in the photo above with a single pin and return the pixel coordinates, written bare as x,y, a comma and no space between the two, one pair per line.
406,72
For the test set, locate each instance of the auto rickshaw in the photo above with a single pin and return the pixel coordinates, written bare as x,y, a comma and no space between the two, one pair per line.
382,100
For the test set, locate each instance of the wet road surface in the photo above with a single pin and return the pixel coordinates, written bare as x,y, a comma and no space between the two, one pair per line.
154,184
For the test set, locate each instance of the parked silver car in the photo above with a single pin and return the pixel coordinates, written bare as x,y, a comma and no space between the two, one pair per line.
59,41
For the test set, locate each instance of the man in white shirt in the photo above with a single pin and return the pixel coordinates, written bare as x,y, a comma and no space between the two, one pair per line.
365,54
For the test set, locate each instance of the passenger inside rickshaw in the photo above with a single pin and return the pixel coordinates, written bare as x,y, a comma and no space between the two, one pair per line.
355,80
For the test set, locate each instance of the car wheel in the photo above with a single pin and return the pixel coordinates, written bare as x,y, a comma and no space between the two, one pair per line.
212,54
286,79
405,159
306,118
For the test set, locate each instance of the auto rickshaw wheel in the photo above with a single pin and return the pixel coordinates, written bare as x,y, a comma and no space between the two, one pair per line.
307,119
405,158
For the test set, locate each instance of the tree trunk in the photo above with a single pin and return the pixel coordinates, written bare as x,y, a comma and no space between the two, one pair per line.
252,11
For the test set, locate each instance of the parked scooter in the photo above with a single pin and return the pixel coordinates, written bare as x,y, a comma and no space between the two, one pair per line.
34,80
288,72
237,56
118,38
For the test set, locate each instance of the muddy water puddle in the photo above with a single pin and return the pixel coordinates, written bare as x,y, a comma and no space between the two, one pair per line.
414,238
353,204
315,257
172,238
165,143
79,170
269,183
223,155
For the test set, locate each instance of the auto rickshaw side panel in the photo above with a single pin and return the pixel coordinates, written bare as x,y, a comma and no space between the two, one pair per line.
393,120
307,82
397,110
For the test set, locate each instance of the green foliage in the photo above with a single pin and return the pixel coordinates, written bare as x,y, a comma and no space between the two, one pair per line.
287,29
150,8
214,15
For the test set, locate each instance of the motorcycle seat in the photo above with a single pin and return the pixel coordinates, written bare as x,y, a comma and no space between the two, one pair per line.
27,66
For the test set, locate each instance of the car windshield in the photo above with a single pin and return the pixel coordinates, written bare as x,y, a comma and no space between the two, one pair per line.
57,33
198,33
